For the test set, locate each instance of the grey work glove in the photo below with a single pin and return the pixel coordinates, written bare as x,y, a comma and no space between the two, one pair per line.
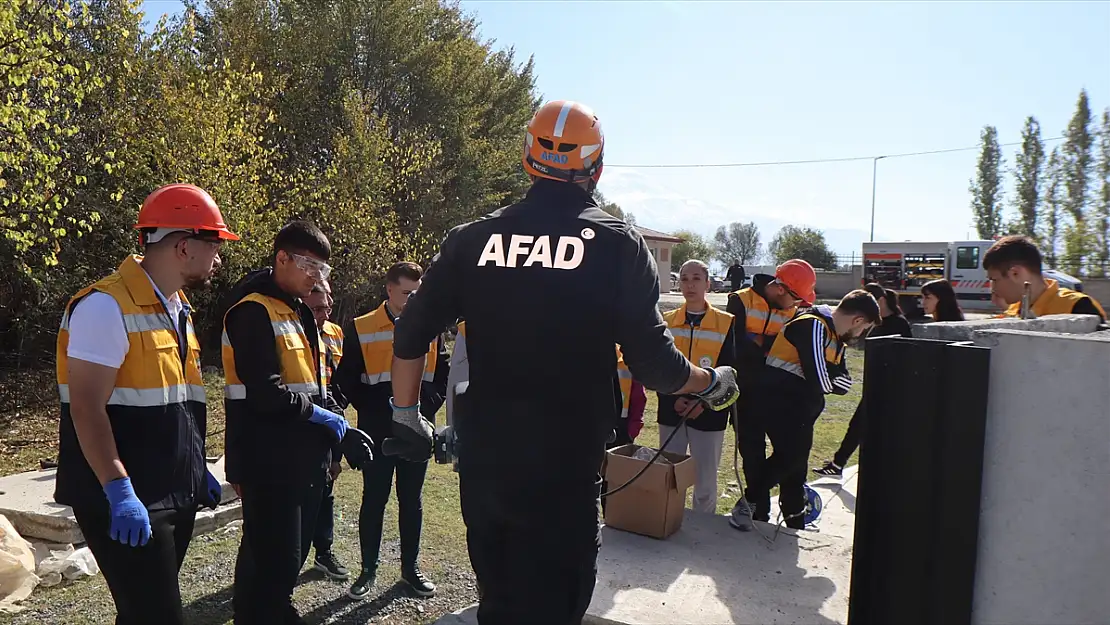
723,391
412,434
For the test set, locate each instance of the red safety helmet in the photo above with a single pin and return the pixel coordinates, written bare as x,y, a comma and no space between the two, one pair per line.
183,207
798,276
564,142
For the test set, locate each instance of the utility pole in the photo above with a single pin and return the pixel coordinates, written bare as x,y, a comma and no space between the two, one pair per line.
874,174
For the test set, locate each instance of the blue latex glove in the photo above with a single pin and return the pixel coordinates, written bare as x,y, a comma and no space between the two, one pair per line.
213,492
130,523
336,424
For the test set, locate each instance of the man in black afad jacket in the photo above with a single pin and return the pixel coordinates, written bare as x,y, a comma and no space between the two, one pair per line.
281,423
570,282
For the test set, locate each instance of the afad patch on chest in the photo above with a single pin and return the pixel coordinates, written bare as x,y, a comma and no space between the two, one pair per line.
526,250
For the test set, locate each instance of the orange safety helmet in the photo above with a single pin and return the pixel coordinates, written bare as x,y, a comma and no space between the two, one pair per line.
564,142
798,276
183,207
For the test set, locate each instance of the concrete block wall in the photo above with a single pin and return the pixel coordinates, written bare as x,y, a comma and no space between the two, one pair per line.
837,284
1043,551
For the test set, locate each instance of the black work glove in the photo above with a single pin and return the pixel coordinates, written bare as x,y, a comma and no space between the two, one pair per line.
358,448
412,434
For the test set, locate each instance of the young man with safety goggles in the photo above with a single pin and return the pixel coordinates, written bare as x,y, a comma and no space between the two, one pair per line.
282,424
805,363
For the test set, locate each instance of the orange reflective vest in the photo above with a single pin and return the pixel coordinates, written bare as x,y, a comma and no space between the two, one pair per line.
157,408
1055,300
700,344
763,323
375,338
333,343
624,377
784,355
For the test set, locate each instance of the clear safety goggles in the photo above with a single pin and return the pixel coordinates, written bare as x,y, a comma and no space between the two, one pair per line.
315,268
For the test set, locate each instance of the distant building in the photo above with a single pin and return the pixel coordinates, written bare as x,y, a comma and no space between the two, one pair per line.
660,244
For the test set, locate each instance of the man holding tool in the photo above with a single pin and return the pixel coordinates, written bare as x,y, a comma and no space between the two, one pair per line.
1014,261
580,281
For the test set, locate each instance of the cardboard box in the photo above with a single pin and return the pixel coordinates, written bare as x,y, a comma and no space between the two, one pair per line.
653,504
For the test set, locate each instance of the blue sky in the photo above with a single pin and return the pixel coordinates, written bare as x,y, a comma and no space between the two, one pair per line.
755,82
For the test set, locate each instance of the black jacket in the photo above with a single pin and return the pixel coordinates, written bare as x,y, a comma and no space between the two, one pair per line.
372,400
547,287
892,325
268,437
708,420
783,395
750,356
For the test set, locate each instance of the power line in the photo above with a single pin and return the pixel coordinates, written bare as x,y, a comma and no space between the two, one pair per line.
819,160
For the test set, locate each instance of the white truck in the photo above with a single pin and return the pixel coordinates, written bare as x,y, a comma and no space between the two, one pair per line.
905,266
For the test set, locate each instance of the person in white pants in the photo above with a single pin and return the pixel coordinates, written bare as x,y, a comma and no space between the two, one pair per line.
705,335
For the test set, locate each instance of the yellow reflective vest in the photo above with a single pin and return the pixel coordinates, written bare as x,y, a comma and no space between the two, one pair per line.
762,323
375,338
1055,300
303,370
624,377
701,344
784,355
332,335
157,409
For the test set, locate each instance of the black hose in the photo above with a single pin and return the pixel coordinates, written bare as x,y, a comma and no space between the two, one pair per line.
658,452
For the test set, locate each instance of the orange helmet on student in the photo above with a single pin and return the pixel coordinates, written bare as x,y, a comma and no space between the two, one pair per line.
564,142
798,276
183,207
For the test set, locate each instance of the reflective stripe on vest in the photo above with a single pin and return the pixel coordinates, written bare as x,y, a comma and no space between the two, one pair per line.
152,373
763,323
700,344
301,371
1055,300
784,355
624,377
332,335
375,337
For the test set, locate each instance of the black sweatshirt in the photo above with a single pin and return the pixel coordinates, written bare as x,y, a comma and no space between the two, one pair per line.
547,287
803,399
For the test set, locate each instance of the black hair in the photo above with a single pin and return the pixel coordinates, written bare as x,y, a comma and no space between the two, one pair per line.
860,302
1013,250
301,236
403,269
890,297
948,309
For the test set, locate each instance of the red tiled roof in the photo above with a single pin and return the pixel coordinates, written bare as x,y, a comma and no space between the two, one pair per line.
655,235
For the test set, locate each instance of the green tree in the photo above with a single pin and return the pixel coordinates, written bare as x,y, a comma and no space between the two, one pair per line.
613,208
1028,177
1076,162
986,187
693,245
737,243
804,243
1053,208
1102,210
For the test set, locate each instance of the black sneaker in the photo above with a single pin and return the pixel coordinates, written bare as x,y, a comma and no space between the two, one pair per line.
362,586
830,469
331,567
420,585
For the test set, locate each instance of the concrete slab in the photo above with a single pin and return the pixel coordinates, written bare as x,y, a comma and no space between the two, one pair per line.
28,501
964,330
710,573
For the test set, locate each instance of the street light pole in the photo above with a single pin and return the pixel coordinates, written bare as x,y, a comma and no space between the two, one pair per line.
874,173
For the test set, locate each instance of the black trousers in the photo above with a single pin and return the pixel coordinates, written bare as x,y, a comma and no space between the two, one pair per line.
377,481
143,580
852,437
752,442
324,536
278,525
792,438
533,545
